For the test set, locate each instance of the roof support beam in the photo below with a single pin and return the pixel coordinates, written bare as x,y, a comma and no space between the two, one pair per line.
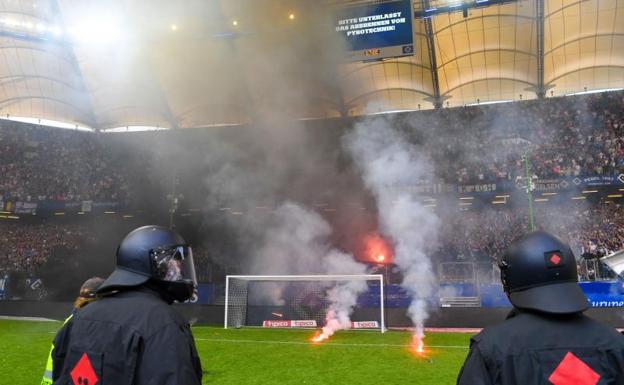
433,65
460,7
539,21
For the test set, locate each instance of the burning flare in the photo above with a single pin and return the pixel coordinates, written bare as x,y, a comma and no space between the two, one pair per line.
418,344
329,329
377,249
320,337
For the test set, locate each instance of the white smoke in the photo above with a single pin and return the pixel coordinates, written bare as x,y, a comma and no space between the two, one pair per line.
390,164
296,241
343,296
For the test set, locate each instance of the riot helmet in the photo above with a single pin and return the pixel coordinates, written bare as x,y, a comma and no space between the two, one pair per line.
158,255
538,272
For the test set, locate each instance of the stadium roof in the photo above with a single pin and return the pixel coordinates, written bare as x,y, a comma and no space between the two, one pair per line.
194,63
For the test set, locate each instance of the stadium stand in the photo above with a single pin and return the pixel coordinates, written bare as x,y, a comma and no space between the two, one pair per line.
39,163
25,248
572,136
569,136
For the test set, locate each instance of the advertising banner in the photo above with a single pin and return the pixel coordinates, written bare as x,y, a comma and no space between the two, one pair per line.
289,324
25,208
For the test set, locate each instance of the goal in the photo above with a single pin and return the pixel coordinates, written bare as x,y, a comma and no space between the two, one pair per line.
300,301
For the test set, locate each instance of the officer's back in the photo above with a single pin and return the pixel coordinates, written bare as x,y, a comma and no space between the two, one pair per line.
132,335
546,339
137,337
537,348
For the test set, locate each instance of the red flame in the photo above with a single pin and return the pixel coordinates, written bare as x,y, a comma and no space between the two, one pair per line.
377,249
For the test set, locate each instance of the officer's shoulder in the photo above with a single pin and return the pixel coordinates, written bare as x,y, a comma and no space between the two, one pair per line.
157,309
602,328
499,331
144,310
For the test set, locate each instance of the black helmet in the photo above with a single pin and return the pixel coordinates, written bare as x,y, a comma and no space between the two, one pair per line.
158,254
538,272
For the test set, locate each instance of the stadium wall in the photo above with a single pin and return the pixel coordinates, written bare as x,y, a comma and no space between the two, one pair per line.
395,317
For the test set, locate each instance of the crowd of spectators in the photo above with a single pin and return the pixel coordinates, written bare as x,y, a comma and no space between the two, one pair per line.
482,236
578,135
571,136
592,230
478,236
38,163
26,247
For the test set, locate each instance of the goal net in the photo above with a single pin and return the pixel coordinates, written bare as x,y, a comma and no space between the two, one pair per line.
300,301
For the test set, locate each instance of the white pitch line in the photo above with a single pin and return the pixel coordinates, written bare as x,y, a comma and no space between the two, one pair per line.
326,344
13,318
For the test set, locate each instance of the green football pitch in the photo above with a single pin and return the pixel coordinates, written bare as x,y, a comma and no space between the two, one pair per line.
271,356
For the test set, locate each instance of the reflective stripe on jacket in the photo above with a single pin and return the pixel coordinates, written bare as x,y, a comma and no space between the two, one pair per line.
48,375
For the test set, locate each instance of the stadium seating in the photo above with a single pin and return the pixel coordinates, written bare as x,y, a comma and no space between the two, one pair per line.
569,136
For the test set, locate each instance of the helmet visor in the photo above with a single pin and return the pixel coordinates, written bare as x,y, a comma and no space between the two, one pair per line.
173,264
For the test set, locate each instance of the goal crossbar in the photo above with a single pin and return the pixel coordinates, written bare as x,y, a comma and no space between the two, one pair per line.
334,277
339,277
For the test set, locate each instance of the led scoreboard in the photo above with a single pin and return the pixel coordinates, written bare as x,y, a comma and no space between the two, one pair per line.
376,30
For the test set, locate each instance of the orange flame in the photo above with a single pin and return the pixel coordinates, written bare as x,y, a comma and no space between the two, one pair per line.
320,337
418,345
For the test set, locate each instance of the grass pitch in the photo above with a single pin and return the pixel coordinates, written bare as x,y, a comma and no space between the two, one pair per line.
270,356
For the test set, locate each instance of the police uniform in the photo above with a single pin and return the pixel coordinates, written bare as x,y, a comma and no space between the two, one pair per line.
546,339
132,335
537,348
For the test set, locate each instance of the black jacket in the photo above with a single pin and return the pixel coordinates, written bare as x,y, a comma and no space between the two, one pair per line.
531,348
130,338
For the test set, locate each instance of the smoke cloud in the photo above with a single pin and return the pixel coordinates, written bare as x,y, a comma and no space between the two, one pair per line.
296,241
389,164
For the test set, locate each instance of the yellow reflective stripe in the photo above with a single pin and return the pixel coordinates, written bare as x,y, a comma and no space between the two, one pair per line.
47,378
50,364
49,369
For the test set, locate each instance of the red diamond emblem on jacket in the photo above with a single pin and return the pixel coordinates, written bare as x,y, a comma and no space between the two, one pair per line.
83,373
572,371
555,259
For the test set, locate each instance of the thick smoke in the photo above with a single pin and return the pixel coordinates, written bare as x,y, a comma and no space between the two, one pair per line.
296,241
261,180
389,165
275,235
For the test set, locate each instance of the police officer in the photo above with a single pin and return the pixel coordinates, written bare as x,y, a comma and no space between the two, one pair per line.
546,339
131,335
86,295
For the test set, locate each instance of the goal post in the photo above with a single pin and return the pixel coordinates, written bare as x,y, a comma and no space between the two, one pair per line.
299,300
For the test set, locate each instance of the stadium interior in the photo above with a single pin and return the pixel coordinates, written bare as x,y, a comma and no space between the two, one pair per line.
236,121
